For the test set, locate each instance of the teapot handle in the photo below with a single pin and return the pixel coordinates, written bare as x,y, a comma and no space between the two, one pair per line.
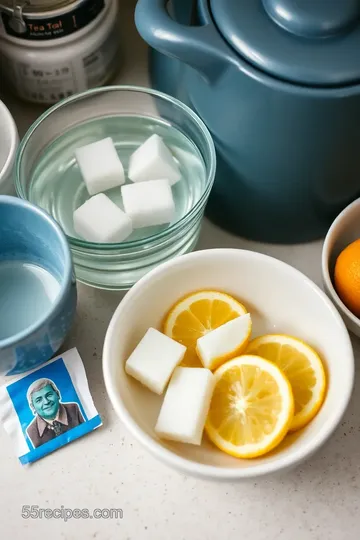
200,47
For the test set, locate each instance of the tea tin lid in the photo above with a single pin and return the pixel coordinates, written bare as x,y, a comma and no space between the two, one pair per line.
309,42
37,6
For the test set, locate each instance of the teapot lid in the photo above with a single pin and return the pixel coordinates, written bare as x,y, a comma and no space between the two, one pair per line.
312,42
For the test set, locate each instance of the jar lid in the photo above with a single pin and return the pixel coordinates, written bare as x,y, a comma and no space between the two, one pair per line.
37,6
48,4
312,42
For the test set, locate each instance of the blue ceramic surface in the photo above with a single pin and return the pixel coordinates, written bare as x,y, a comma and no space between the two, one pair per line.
309,18
310,42
27,233
288,151
165,72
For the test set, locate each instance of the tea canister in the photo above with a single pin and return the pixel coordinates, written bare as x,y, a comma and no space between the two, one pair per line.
51,49
277,83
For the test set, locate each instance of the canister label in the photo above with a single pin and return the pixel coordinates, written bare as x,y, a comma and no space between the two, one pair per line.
40,29
47,83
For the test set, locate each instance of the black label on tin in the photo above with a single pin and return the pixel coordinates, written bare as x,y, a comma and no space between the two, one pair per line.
40,29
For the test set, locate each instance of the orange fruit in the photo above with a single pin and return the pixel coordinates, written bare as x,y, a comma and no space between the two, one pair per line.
347,277
195,315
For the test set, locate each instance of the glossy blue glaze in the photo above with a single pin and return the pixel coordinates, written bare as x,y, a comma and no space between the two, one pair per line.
288,154
309,18
165,72
28,234
313,47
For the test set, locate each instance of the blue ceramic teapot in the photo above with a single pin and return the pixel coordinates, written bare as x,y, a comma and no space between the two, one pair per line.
278,84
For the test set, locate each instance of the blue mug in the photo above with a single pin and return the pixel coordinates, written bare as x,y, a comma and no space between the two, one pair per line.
38,297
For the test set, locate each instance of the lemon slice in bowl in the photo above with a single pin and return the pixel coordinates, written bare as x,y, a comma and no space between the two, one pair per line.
302,366
251,409
197,314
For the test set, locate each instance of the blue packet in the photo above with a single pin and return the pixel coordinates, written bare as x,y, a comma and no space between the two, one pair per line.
48,407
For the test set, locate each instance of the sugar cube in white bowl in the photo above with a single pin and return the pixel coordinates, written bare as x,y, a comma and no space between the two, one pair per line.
154,359
149,203
225,341
186,405
100,220
153,160
100,166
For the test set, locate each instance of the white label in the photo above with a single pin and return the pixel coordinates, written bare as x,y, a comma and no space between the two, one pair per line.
44,84
99,65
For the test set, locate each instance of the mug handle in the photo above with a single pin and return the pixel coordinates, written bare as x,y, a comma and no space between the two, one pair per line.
201,47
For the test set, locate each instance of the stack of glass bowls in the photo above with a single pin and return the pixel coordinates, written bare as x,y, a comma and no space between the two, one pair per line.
48,176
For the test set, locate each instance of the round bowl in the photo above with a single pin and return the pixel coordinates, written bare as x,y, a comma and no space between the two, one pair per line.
344,230
30,236
9,140
280,299
47,175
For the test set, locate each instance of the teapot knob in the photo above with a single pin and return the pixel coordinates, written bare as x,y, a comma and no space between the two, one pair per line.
313,18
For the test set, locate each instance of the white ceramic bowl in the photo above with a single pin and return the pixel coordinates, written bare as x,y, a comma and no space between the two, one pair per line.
280,299
344,230
9,141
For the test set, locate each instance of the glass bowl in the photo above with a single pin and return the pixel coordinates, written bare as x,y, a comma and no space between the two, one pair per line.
47,175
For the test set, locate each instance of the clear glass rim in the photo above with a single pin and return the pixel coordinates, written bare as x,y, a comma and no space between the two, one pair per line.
152,239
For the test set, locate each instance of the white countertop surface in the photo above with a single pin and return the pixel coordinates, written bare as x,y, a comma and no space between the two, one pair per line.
109,469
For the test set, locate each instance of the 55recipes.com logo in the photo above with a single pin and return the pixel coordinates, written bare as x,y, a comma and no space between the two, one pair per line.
35,512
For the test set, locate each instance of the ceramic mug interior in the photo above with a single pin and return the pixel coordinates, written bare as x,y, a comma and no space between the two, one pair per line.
35,283
281,300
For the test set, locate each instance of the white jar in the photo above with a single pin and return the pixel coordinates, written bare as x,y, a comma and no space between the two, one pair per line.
44,68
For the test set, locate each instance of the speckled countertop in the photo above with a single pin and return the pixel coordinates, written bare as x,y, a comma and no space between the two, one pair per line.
109,469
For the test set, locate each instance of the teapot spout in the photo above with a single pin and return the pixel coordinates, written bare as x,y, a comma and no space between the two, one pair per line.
201,47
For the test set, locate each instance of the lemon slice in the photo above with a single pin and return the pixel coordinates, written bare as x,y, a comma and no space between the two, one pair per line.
251,409
197,314
302,366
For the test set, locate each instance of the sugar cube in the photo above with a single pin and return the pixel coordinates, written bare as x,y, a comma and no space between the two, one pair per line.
153,160
218,345
149,203
100,220
100,166
186,405
154,359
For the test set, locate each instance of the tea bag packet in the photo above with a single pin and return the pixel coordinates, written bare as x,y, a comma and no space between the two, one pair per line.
48,407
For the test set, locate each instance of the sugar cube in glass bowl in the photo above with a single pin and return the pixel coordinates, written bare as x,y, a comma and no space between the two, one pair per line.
153,160
100,166
102,221
149,203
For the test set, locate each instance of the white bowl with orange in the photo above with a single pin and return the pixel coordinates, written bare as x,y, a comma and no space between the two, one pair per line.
277,396
341,265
